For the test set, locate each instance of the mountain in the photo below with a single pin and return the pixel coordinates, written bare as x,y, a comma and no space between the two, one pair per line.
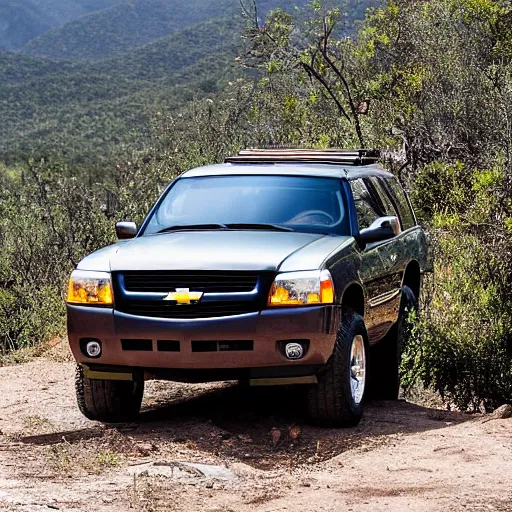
22,20
130,24
86,108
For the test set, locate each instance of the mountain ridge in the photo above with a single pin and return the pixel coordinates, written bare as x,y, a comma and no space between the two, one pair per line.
128,25
84,107
88,108
23,20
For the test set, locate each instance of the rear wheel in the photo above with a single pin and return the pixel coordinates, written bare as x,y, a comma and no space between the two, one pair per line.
109,401
338,397
387,354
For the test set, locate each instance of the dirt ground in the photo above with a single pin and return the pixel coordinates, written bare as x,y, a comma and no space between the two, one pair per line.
402,457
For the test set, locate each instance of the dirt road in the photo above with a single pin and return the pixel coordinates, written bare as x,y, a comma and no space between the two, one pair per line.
261,454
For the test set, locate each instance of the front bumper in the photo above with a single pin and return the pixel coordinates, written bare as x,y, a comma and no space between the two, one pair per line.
122,337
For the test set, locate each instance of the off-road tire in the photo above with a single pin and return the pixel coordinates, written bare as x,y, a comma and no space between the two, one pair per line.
330,402
108,401
386,355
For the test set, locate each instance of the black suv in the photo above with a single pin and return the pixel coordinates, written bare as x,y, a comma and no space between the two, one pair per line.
276,267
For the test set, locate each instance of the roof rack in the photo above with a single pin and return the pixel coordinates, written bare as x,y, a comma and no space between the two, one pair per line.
322,156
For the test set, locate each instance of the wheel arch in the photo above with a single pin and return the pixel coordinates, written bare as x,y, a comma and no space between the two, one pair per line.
412,277
353,298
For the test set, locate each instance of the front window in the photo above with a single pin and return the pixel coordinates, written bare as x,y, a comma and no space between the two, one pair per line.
307,204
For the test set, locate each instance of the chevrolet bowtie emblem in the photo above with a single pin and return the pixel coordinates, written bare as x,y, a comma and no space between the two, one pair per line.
184,296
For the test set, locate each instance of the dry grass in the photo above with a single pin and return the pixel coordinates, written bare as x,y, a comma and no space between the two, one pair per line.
426,397
37,425
56,350
23,355
66,458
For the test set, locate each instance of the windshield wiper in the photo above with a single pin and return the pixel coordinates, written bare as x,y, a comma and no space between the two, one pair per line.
266,227
191,227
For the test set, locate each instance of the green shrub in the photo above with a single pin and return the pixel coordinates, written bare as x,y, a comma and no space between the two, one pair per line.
461,344
442,188
48,222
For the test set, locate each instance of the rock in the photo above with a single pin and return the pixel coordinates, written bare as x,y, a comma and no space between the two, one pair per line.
503,412
215,472
294,433
276,436
183,471
146,448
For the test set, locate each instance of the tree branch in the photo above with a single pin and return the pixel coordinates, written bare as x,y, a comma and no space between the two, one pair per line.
355,116
312,71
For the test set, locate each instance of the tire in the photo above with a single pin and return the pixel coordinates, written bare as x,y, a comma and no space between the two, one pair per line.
108,401
386,355
331,401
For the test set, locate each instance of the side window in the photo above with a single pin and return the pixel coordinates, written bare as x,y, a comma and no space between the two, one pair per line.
367,208
380,191
401,202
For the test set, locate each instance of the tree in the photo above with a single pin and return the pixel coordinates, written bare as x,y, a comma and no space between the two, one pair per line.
305,46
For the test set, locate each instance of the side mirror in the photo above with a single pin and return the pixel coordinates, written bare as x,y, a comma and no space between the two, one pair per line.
384,228
126,230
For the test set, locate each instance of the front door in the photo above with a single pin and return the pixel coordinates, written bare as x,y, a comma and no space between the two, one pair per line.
381,264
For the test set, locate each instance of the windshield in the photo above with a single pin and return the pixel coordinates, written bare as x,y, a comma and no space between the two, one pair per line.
308,204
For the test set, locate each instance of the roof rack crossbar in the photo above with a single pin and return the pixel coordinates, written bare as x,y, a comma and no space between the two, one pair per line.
328,156
303,150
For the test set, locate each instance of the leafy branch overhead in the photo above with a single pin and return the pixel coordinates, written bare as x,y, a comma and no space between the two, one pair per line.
305,43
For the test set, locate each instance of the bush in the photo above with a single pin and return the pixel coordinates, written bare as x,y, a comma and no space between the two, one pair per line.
461,344
48,222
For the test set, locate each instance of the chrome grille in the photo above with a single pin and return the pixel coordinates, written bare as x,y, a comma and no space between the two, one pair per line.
207,282
132,292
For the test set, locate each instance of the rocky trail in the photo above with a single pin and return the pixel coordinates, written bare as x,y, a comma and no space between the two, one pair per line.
219,448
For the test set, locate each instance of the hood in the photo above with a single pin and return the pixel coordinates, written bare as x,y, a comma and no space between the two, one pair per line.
216,250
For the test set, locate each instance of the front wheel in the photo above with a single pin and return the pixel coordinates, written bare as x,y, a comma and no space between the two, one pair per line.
338,397
108,401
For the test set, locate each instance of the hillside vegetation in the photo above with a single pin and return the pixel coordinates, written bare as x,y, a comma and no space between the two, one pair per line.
131,24
87,110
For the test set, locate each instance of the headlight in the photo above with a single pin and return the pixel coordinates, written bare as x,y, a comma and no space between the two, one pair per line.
93,288
302,289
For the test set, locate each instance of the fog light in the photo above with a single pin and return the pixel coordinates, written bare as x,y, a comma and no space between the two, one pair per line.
93,349
294,351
